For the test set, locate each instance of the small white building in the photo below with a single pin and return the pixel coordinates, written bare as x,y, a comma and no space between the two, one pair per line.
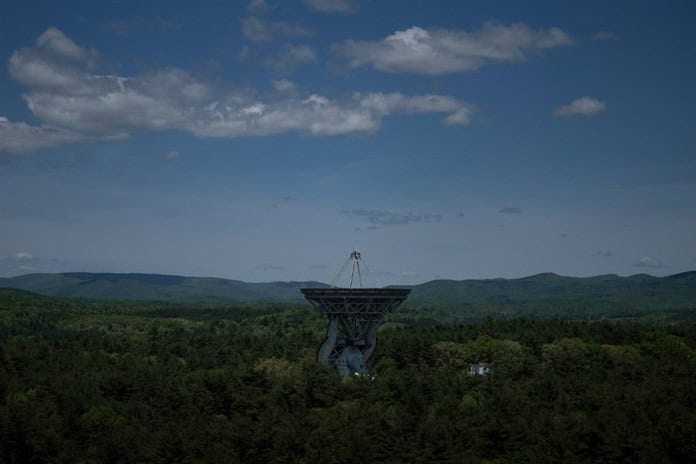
479,369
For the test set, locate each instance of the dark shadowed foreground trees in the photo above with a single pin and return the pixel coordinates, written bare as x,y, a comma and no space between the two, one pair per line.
132,382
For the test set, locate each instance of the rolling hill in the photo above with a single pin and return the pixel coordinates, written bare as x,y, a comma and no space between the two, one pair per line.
154,287
643,290
679,288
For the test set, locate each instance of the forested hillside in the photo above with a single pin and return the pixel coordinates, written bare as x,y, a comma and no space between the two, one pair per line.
155,287
538,296
104,381
551,295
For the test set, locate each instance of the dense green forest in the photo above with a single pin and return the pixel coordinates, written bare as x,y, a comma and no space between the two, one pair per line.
127,381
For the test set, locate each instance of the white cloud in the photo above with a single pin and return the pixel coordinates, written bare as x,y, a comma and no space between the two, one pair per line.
55,41
649,262
583,106
23,256
19,138
460,112
386,103
321,116
461,117
331,6
259,30
284,86
172,155
439,51
75,103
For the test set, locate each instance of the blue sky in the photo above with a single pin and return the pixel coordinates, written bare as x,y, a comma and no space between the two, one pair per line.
264,140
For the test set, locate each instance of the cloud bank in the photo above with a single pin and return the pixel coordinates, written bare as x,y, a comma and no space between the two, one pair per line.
74,102
440,51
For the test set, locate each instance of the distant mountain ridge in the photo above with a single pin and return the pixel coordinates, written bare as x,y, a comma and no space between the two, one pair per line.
675,290
155,287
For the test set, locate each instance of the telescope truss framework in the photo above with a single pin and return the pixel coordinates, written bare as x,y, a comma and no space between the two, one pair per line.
354,315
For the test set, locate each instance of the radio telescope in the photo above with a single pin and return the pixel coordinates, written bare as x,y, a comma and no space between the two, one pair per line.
354,314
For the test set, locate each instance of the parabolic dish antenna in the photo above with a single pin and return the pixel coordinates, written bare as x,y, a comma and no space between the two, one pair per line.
354,314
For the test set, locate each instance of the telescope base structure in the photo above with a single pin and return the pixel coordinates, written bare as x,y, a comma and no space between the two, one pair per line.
354,317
